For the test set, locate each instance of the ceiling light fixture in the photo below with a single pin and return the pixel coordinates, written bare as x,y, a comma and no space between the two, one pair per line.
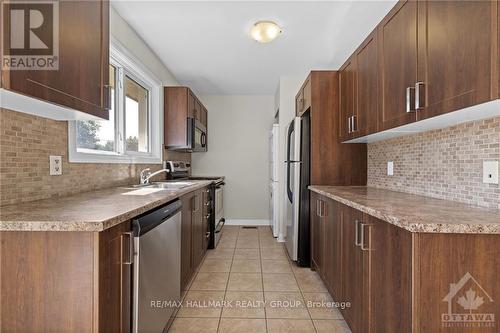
265,31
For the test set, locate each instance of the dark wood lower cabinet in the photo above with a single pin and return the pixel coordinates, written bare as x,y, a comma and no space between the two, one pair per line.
194,228
66,281
399,281
317,248
388,279
353,274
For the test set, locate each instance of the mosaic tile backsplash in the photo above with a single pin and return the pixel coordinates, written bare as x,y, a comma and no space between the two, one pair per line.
26,142
445,163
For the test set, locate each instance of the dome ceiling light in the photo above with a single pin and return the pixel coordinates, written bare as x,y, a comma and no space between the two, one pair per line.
265,31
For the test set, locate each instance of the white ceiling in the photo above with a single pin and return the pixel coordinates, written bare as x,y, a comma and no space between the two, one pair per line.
206,44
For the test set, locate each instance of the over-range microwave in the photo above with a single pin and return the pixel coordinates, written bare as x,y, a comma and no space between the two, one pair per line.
197,135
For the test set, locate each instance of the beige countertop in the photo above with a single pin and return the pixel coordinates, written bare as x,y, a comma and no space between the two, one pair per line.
414,212
89,211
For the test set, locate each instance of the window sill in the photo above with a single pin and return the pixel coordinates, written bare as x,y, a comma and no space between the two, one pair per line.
76,157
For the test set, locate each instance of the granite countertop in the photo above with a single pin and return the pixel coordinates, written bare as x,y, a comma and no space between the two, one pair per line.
415,213
89,211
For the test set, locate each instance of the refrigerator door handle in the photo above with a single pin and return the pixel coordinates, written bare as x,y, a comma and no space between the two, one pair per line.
288,160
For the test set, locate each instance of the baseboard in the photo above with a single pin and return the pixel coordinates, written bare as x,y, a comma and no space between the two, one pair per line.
247,222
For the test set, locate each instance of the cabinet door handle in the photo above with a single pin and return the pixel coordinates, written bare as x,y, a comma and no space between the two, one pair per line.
419,95
354,124
130,236
108,102
349,125
207,216
362,242
409,99
207,234
356,233
195,204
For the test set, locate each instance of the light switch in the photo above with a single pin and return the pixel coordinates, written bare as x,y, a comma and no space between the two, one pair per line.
390,168
55,165
490,172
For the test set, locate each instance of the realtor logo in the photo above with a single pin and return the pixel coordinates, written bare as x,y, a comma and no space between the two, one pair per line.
467,301
30,35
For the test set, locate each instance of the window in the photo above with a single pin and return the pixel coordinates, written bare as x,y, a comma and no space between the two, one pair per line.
132,133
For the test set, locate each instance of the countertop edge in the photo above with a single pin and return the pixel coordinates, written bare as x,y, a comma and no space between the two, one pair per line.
96,226
414,227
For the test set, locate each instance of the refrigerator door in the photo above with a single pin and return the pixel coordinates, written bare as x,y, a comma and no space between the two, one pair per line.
293,187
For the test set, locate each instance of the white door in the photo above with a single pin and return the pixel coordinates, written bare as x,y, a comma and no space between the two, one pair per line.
292,187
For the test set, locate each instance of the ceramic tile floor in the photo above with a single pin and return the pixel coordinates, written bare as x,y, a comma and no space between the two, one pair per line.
248,285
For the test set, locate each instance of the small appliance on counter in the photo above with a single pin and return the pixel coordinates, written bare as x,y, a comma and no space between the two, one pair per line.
180,170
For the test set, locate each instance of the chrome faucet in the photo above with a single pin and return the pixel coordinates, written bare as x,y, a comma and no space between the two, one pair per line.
146,175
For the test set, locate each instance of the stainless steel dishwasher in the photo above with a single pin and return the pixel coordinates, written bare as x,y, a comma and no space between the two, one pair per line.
157,267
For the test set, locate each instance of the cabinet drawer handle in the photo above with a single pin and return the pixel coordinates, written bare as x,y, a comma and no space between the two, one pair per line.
356,233
362,242
208,216
130,235
207,203
419,95
207,234
409,99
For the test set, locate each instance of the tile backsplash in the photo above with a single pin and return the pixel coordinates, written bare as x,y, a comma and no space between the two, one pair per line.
445,163
26,142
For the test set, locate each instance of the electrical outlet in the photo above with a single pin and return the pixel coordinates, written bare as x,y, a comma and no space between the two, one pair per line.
490,172
55,165
390,168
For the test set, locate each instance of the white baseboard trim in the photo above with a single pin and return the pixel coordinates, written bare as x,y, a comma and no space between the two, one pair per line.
247,222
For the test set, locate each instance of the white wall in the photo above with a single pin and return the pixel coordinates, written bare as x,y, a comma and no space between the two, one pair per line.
285,101
238,148
123,33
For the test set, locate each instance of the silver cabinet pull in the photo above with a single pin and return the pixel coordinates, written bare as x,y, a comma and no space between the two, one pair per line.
130,236
362,242
419,95
354,123
356,234
349,125
409,99
318,207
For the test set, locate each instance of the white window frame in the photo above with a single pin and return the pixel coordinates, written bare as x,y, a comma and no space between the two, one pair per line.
126,65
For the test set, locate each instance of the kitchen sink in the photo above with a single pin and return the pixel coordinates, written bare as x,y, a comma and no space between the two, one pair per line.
163,185
170,185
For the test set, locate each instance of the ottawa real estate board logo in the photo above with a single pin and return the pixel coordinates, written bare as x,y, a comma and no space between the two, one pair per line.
30,35
468,305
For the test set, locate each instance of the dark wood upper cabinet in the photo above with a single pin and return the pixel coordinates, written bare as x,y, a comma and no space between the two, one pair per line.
181,107
82,80
457,55
367,90
359,91
303,98
424,59
348,112
331,162
398,65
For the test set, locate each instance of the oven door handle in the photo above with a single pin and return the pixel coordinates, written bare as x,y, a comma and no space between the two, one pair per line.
221,224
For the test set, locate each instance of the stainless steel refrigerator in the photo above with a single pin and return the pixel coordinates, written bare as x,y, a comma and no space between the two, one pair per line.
297,193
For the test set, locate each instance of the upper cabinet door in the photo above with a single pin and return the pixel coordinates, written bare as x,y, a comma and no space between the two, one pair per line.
307,95
191,105
457,48
82,80
347,76
398,65
367,87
